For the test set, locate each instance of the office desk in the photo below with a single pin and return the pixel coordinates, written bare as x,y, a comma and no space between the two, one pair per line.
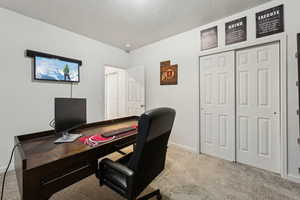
43,168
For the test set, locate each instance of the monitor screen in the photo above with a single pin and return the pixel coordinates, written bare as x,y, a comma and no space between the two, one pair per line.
52,69
69,113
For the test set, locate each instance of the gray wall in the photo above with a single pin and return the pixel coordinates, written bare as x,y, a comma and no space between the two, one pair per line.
184,50
28,106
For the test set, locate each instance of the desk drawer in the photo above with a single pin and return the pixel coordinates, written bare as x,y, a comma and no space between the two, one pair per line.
59,182
65,168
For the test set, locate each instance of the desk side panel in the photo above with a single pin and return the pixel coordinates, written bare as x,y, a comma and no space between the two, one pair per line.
19,169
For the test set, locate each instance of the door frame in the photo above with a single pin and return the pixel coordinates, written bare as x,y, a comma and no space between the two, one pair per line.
282,39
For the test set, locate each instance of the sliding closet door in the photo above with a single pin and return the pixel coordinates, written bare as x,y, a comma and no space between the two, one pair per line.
218,105
258,117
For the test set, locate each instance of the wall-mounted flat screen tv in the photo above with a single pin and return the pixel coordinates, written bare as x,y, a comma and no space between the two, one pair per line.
52,69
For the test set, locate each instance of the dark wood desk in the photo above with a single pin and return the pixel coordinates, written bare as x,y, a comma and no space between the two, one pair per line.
43,168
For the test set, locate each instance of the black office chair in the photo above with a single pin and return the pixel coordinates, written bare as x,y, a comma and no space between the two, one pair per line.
131,174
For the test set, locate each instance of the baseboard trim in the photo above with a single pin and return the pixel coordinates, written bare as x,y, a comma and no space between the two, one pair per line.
293,178
184,147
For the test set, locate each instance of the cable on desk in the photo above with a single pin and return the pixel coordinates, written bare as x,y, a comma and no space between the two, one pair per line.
4,175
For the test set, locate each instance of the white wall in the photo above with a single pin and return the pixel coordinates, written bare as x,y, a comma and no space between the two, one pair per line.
184,50
28,106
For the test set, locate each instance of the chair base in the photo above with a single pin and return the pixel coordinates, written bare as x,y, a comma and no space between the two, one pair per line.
150,195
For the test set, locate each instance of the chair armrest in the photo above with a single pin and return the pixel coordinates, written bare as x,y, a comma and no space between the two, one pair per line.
117,167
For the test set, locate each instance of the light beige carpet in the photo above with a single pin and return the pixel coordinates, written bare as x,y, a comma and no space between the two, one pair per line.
189,176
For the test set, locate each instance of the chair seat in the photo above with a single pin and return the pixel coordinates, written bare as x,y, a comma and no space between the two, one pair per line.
115,178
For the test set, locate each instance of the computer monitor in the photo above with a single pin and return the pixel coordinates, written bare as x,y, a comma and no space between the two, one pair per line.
69,114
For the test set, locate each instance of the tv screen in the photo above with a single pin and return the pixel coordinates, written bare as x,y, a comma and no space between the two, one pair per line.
52,69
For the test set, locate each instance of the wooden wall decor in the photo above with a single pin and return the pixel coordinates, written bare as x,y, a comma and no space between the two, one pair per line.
168,73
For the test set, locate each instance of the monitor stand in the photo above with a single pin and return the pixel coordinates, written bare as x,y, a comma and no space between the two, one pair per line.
67,138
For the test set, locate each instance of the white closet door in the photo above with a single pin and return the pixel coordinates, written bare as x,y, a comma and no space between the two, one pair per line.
258,135
218,105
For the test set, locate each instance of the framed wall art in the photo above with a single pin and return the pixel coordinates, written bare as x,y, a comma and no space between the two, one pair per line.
168,73
270,21
236,31
209,38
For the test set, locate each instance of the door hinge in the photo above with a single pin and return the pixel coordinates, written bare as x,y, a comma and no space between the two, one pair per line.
297,54
297,83
297,112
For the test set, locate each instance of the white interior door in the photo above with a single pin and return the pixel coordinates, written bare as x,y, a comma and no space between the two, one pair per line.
135,91
218,105
112,95
258,117
115,93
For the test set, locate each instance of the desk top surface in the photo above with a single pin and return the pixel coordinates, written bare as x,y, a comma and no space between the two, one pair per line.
42,150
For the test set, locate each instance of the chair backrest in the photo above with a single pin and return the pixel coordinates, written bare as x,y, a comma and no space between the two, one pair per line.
148,159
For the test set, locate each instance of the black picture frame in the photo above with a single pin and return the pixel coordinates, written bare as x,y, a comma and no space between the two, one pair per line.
270,21
236,31
34,54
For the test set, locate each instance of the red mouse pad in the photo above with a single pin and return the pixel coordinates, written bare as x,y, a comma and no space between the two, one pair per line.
94,140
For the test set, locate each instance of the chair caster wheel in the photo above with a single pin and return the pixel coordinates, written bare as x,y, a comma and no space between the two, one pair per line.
159,197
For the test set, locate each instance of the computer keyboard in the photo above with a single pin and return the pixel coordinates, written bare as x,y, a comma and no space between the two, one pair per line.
118,132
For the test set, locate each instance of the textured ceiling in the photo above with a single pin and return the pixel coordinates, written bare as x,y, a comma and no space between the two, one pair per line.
134,22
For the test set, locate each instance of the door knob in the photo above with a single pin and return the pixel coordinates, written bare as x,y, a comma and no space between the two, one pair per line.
142,106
